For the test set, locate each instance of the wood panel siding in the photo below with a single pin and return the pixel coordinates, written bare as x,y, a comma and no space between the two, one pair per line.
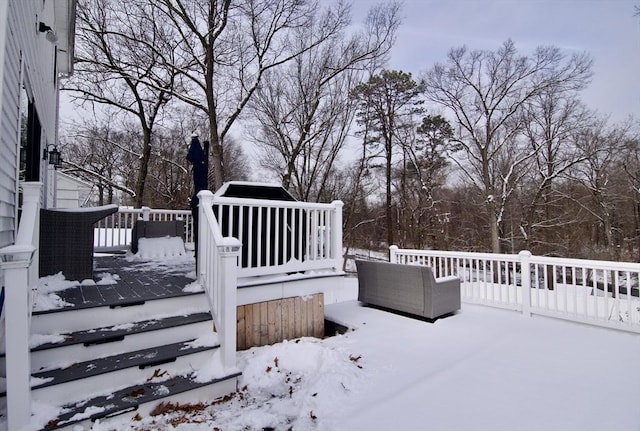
270,322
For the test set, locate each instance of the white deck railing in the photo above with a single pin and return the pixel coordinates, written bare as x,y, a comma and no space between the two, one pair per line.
601,293
282,237
20,269
217,265
278,237
115,231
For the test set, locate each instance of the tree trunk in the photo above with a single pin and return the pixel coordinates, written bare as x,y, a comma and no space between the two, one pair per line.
495,232
389,208
143,168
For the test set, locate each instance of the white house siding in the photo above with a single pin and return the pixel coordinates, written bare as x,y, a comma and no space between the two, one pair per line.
9,125
27,58
70,192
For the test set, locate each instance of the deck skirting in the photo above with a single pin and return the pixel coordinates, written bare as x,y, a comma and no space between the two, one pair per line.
270,322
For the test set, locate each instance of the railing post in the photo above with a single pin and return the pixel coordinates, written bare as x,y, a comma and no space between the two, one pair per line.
145,213
188,229
393,254
17,263
525,281
336,234
30,233
205,200
229,252
18,368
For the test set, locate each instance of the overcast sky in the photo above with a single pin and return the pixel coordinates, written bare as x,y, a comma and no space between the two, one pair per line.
606,29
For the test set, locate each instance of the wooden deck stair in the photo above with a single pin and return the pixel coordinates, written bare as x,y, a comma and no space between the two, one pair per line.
125,347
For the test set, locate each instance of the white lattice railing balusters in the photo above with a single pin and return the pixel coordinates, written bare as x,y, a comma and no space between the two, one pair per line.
602,293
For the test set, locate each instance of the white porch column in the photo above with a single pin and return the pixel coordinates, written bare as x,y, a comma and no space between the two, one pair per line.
336,234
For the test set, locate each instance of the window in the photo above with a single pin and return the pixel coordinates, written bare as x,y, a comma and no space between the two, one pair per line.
30,131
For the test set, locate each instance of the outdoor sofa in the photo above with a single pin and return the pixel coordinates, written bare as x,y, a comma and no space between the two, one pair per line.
409,289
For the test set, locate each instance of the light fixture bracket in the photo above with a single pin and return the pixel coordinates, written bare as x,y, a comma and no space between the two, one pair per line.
50,35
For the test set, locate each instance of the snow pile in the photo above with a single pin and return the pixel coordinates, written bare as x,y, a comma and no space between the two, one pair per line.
299,384
41,414
46,298
105,279
291,385
209,340
163,255
36,340
194,287
161,249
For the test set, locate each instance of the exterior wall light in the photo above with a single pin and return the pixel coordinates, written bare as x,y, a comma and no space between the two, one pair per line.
50,35
55,158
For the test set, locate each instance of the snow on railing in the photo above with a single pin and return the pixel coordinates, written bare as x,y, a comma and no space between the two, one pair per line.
281,236
115,231
217,265
19,263
602,293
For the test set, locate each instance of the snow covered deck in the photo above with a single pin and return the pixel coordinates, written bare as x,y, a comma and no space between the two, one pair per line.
487,369
482,369
120,279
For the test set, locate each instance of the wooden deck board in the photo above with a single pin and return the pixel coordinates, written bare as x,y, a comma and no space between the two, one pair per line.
137,282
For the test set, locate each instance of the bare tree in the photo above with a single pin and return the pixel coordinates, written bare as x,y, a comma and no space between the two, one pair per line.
95,153
303,110
599,176
552,121
228,47
124,59
631,166
485,92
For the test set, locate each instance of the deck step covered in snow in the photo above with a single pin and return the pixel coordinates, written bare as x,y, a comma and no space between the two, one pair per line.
114,339
138,335
141,399
81,379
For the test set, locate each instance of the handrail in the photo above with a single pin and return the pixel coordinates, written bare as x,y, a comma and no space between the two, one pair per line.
20,266
281,237
217,263
603,293
221,200
115,231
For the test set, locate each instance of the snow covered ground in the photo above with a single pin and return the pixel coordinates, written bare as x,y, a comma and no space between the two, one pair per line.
481,369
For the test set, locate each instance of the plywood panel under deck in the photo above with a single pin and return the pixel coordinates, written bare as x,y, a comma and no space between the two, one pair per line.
270,322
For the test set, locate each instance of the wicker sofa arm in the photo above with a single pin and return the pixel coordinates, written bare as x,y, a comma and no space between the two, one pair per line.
445,296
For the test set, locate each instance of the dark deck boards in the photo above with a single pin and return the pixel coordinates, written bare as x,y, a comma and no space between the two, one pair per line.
144,358
138,282
129,398
102,335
